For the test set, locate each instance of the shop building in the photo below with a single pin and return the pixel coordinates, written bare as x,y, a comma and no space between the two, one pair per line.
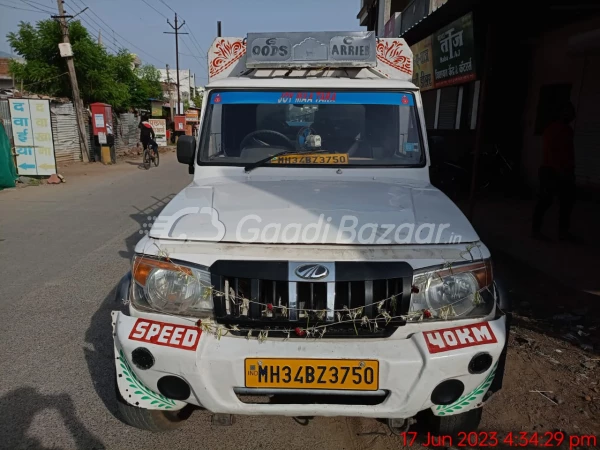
187,81
492,72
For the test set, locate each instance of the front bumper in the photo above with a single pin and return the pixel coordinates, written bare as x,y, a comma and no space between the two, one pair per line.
408,371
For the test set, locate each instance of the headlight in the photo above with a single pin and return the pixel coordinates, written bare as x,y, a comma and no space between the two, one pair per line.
453,292
164,286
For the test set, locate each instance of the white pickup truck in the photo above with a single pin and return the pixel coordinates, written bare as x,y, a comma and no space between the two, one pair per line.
310,268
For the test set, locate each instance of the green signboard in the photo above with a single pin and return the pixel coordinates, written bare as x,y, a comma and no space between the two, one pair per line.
454,53
157,110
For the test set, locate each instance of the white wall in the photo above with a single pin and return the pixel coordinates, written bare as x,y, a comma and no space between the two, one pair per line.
383,13
187,79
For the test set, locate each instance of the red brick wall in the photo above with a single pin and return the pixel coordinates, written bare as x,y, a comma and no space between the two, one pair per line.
4,66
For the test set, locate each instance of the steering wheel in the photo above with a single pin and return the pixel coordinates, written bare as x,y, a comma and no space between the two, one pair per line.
249,136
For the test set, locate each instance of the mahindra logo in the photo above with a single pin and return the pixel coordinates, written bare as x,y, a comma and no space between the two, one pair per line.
312,271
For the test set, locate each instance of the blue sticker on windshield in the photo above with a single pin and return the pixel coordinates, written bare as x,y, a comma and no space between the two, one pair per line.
313,98
411,147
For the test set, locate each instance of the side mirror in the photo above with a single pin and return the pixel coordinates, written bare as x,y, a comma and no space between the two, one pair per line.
186,147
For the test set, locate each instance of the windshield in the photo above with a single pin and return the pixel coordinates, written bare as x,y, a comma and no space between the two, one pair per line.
350,128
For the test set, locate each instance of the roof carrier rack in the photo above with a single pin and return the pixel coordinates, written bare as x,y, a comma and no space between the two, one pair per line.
235,57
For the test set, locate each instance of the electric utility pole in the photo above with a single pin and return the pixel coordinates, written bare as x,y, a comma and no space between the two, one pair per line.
170,96
176,33
85,152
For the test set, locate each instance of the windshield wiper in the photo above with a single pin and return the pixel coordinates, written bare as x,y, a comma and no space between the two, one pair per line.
250,167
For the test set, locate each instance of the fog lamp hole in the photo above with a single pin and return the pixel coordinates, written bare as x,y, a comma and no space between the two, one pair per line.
142,358
447,392
174,388
480,363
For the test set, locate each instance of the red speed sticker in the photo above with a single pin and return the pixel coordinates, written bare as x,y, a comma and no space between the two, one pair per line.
167,334
459,337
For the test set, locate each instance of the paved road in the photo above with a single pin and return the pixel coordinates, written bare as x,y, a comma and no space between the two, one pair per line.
63,250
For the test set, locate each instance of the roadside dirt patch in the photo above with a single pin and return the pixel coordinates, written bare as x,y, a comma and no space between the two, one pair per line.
568,381
549,385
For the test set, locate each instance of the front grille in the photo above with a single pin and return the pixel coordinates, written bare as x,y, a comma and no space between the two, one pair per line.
280,298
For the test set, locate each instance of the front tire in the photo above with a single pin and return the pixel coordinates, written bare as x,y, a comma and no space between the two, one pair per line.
150,419
146,159
452,425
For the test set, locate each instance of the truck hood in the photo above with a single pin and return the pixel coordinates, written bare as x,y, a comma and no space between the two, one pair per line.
369,212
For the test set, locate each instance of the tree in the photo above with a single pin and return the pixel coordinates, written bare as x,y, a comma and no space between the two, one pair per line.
197,97
145,86
44,70
102,77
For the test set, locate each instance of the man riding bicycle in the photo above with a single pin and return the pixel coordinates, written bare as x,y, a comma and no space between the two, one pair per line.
147,135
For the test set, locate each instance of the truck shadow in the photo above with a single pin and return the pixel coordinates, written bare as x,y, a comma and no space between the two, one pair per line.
18,409
543,304
99,353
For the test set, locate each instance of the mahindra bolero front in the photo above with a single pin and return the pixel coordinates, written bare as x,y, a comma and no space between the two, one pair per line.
310,268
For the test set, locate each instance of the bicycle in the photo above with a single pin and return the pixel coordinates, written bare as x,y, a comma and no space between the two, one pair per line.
149,158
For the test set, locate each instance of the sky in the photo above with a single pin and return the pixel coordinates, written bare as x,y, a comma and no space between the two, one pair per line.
139,24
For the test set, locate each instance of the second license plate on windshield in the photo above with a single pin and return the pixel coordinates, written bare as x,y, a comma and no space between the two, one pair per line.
346,374
312,158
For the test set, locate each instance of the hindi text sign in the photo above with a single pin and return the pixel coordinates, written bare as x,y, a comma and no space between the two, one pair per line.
454,53
423,64
160,131
191,115
32,134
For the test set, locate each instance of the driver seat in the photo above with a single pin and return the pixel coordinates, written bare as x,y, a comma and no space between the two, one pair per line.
339,126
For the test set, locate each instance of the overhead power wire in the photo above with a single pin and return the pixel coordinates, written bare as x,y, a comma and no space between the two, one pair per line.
125,39
43,5
23,9
39,10
47,79
164,3
114,47
193,56
95,27
157,11
39,6
195,41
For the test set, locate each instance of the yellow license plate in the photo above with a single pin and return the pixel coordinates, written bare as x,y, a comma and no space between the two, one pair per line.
317,158
346,374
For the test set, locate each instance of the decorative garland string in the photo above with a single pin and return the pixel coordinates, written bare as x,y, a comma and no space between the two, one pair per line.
354,315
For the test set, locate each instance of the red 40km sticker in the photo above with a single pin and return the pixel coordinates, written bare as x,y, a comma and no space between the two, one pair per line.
459,337
168,334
